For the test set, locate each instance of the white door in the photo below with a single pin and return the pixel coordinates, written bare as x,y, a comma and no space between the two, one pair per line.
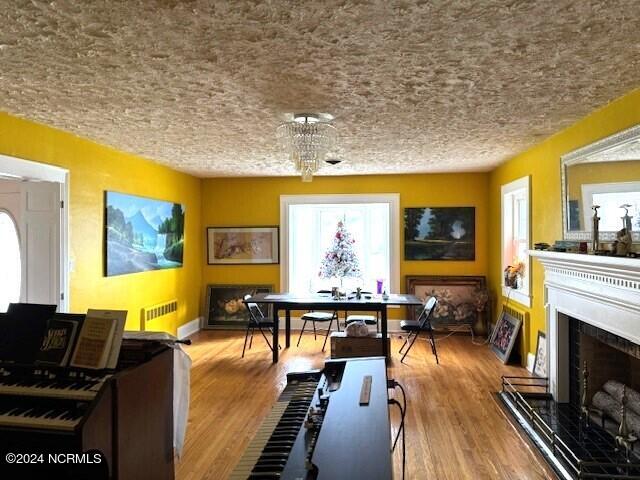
10,253
40,242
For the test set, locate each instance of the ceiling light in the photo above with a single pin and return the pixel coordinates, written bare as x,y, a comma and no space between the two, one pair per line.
307,137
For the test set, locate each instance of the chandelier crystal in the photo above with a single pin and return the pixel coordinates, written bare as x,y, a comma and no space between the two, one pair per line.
307,138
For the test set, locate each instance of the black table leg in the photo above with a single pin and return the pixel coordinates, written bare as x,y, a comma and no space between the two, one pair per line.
276,328
383,331
287,328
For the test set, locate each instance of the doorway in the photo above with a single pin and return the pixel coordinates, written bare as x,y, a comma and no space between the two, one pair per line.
10,259
33,233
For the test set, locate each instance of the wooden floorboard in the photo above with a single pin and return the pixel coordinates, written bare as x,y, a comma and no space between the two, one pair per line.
455,428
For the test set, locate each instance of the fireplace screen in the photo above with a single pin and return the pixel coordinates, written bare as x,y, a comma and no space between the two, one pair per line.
595,434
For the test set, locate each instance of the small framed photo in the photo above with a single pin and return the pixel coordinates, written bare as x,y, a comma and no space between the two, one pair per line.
225,307
540,364
243,245
504,336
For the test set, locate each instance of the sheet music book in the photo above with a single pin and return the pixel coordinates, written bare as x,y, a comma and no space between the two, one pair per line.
120,316
100,339
58,342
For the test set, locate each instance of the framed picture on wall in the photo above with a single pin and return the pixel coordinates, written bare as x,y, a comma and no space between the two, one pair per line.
504,336
440,233
242,245
225,307
142,234
462,300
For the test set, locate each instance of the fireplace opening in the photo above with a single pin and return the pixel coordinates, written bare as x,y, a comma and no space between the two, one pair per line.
612,368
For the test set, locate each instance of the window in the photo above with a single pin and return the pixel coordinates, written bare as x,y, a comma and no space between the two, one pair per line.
610,196
309,225
10,261
515,236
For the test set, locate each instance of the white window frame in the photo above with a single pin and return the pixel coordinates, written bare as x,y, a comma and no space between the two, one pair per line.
393,199
520,295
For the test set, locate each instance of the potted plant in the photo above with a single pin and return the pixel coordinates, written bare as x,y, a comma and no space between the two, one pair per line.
514,274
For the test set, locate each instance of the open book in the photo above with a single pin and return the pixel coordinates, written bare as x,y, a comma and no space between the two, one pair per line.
99,341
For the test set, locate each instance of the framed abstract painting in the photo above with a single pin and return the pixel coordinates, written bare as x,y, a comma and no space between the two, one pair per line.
504,336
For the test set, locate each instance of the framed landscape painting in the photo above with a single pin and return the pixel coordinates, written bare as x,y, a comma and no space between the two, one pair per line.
462,300
225,307
242,245
440,233
142,234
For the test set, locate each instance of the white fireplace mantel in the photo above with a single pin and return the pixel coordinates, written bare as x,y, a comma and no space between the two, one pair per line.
599,290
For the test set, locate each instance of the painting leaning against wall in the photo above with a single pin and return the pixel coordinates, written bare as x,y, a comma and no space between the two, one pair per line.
142,234
463,301
225,306
439,233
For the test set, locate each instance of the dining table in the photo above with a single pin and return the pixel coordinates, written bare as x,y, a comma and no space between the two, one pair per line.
288,302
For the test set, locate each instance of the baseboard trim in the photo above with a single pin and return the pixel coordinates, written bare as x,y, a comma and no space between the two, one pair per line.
189,328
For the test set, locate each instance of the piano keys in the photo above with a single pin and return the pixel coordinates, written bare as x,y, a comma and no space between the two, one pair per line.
58,415
126,414
268,451
319,430
50,383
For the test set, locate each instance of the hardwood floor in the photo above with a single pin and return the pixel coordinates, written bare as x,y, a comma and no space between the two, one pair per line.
455,427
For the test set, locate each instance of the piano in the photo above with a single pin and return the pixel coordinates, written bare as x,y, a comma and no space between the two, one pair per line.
124,414
327,424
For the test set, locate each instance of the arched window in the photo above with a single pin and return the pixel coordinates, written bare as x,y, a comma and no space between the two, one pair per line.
9,261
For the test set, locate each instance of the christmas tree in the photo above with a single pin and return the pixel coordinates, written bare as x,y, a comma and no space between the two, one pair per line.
340,260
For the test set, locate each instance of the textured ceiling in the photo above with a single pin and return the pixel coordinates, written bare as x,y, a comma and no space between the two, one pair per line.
415,86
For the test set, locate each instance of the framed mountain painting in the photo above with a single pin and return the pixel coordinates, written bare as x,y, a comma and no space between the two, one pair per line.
142,234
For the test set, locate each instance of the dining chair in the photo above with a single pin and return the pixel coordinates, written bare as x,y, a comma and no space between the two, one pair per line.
314,317
257,320
367,319
422,324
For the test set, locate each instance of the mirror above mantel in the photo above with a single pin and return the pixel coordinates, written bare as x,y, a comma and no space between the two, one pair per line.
604,173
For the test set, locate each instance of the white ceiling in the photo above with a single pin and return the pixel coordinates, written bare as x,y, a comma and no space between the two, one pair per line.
415,86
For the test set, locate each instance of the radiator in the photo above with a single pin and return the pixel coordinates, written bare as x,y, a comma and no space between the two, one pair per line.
161,317
523,316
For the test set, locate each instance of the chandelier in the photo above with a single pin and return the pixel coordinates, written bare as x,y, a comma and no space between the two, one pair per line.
307,137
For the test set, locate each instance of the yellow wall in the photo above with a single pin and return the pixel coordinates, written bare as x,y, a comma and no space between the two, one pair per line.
542,162
256,201
94,169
